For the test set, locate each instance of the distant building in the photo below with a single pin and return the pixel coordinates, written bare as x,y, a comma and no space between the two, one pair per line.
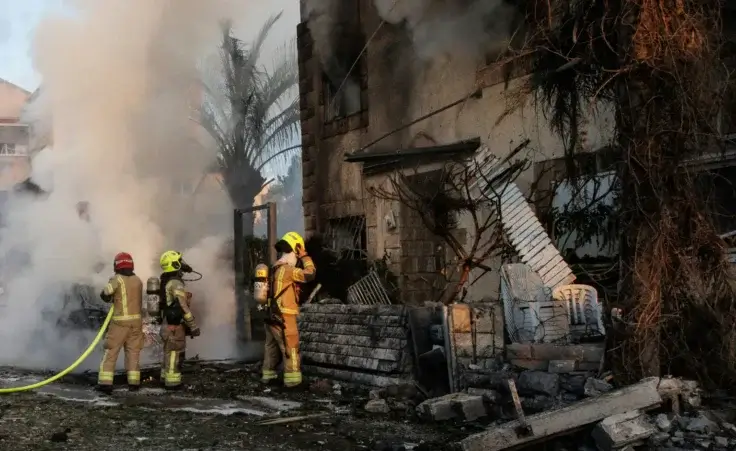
14,137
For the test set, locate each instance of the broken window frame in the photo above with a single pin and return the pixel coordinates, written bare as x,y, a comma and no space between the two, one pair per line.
333,97
335,238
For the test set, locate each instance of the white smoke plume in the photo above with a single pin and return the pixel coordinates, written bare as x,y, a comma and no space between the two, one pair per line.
119,81
437,27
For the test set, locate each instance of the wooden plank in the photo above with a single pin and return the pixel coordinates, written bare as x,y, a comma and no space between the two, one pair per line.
352,340
354,309
349,329
355,376
354,351
383,366
588,352
342,318
642,395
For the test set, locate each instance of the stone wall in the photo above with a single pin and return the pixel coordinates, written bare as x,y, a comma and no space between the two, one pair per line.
364,344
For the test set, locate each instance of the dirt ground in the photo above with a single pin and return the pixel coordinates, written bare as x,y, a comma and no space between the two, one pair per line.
212,413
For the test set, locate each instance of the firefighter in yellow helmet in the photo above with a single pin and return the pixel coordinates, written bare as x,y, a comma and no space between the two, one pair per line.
282,303
175,311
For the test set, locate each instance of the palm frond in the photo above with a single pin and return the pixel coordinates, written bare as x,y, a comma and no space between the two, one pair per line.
252,113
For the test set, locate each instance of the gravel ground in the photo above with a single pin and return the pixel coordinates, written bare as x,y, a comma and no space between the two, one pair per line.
220,394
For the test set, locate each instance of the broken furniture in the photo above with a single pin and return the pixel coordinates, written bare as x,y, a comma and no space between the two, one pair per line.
532,315
583,310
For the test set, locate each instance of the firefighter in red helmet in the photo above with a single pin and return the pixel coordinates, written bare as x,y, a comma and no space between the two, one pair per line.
125,291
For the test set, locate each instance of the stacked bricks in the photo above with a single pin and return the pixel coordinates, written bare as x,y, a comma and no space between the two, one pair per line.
364,344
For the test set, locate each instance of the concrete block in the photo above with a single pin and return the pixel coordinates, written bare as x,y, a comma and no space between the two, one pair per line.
490,396
539,383
562,366
618,431
642,395
456,405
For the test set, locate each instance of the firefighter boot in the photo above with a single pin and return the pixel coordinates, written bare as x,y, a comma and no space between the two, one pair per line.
104,389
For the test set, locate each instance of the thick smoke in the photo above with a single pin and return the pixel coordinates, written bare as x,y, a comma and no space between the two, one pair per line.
119,82
441,27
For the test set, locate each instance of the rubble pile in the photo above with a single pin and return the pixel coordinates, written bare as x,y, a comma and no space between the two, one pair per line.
704,430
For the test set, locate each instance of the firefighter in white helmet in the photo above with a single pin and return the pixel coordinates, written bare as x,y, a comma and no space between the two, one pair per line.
280,295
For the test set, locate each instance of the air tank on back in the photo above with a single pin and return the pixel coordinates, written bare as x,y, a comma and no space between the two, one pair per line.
151,306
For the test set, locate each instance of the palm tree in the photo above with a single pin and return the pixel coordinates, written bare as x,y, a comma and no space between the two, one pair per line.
250,114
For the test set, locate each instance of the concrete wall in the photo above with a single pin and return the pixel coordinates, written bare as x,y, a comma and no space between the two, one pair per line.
398,88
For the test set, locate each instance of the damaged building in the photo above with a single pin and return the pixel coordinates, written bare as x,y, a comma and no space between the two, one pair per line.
388,86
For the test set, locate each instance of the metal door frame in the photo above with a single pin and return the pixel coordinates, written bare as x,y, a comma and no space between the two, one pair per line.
241,279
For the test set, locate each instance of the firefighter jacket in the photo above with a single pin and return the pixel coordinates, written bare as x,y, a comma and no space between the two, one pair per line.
127,296
176,308
286,284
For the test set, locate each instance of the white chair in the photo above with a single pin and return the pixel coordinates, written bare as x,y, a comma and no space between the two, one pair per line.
530,312
584,312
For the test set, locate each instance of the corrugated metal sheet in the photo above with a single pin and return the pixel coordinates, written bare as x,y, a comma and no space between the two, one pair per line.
526,233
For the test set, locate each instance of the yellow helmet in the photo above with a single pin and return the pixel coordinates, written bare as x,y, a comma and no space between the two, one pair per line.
293,239
170,261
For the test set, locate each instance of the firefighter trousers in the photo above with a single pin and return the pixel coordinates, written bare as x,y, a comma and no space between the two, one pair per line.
126,335
175,343
282,345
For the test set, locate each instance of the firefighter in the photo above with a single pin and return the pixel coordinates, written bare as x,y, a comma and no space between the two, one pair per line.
179,320
125,291
282,303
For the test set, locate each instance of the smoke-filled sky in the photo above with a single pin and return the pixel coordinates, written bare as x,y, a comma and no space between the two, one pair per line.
19,19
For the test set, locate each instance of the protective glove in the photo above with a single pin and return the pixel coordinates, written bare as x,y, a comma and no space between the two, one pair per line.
195,333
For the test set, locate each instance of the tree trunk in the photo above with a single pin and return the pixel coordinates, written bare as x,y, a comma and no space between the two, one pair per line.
662,111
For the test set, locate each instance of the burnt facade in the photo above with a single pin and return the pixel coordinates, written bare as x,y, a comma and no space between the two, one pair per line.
367,96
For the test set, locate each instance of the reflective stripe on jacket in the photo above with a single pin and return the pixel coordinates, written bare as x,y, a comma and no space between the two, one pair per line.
287,279
127,296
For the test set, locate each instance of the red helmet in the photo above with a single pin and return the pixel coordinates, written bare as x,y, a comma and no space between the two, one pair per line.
123,261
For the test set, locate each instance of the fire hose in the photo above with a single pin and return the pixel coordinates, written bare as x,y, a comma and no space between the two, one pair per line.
70,368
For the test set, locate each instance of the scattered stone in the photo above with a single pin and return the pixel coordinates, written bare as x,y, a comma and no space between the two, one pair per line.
721,441
456,405
539,383
573,383
702,424
729,427
618,431
377,406
375,394
562,366
663,422
538,403
705,444
596,387
659,438
490,396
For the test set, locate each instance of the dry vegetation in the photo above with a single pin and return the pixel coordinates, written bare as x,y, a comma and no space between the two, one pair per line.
661,63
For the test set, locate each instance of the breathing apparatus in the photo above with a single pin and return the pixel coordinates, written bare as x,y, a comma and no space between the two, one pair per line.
286,246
